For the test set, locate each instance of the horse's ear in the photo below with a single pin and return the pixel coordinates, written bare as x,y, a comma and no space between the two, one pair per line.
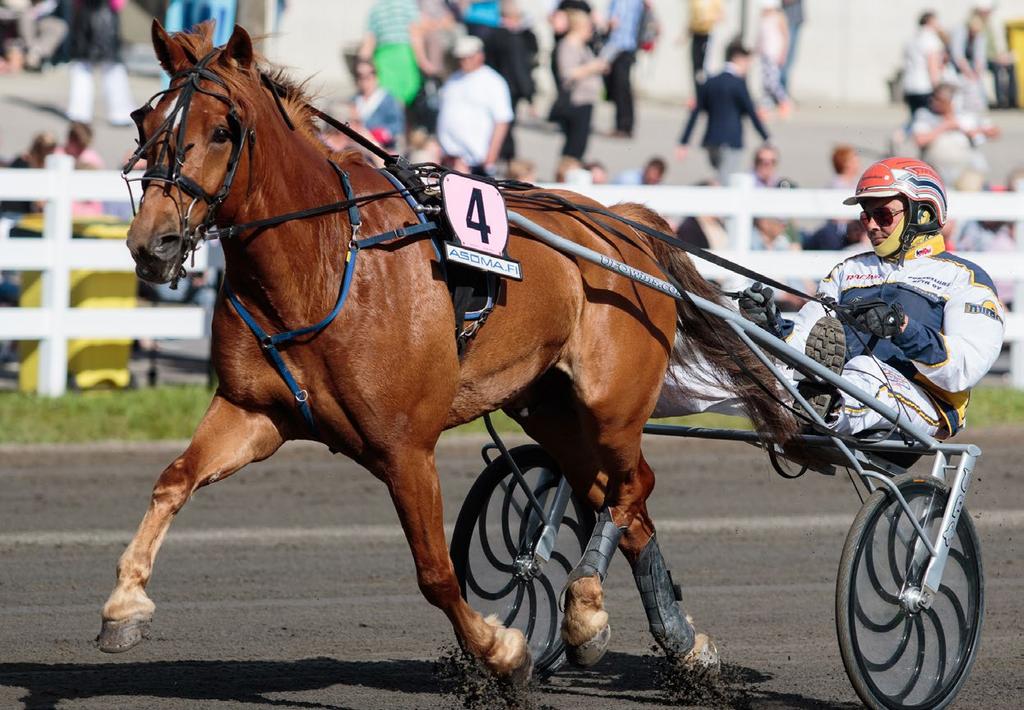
238,50
169,53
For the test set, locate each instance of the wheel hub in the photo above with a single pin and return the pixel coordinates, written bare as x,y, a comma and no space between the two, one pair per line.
915,599
526,566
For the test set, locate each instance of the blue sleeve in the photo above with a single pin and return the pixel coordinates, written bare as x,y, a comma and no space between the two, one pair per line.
693,115
748,108
394,117
922,343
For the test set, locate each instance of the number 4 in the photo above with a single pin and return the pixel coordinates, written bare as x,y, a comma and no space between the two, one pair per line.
476,200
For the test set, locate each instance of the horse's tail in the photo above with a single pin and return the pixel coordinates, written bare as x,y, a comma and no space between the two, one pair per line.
721,357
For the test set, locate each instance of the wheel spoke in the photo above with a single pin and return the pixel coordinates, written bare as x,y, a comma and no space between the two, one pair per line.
940,635
553,613
517,604
918,663
869,565
490,596
897,655
485,545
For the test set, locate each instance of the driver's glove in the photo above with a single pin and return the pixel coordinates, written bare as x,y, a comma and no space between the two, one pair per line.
879,318
757,305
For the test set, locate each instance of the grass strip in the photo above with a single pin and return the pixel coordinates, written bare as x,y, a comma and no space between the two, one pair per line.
173,412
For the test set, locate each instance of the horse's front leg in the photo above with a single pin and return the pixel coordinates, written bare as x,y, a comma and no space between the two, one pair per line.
227,439
412,480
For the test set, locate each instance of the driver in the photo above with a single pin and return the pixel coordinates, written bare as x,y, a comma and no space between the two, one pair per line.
927,325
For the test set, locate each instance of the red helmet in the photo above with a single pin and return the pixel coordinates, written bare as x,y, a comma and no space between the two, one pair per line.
913,179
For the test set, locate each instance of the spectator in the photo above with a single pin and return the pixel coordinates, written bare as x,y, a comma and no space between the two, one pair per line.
704,15
570,170
770,234
766,164
43,144
78,145
39,32
511,50
773,46
394,43
619,52
481,17
835,234
522,170
476,111
423,147
999,61
949,140
558,19
598,172
846,166
967,51
581,83
375,110
652,173
726,100
794,11
437,24
922,63
96,40
703,231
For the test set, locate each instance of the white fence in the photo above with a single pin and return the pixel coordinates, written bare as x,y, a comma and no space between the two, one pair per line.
56,254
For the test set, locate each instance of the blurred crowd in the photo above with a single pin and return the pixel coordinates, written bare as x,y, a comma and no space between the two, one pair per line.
444,81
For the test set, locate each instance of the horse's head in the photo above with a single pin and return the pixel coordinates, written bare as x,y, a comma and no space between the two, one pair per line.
193,139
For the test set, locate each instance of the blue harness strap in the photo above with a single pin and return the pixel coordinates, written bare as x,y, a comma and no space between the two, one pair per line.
270,343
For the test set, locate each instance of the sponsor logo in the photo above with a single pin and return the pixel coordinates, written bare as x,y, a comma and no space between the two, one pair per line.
923,251
862,277
483,262
988,308
639,276
961,495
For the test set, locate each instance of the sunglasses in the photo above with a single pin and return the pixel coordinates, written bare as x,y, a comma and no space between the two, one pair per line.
766,161
883,216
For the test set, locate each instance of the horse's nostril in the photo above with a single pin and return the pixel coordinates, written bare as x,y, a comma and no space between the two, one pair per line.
165,244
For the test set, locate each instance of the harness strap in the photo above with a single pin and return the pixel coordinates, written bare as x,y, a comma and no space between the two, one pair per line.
270,343
400,233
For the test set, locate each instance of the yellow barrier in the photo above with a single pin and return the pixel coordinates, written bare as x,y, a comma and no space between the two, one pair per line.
91,362
1015,43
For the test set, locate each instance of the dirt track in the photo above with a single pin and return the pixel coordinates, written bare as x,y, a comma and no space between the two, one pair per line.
287,586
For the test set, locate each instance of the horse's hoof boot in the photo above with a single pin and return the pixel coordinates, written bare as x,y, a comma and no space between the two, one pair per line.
589,652
119,636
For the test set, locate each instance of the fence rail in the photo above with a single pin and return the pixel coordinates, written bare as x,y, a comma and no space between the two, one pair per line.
56,254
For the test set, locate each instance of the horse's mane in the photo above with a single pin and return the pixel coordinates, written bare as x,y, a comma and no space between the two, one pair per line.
296,99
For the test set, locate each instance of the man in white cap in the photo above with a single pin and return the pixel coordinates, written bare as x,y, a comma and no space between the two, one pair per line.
475,113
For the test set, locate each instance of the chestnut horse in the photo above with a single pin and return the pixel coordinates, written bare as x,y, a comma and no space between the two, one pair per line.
574,353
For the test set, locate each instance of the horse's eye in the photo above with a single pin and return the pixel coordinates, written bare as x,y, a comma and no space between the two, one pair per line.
221,135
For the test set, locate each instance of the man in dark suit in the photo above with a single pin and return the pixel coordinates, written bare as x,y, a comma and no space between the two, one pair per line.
726,100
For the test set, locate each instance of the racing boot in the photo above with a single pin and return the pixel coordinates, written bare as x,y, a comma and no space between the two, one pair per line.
826,345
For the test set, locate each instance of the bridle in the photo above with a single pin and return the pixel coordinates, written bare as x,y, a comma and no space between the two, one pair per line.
167,167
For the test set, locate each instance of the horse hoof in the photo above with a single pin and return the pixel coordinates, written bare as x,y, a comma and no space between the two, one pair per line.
589,652
119,636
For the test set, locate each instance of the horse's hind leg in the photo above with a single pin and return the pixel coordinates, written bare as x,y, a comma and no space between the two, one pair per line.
661,597
227,439
411,477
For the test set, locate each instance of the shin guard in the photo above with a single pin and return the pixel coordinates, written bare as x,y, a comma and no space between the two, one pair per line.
660,596
603,542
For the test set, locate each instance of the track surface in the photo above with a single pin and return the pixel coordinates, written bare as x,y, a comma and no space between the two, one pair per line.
290,585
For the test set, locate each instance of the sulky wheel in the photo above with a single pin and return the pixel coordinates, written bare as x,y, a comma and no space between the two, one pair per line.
492,551
898,656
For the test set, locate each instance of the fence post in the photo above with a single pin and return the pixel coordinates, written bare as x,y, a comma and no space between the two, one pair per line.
53,351
741,223
1017,346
